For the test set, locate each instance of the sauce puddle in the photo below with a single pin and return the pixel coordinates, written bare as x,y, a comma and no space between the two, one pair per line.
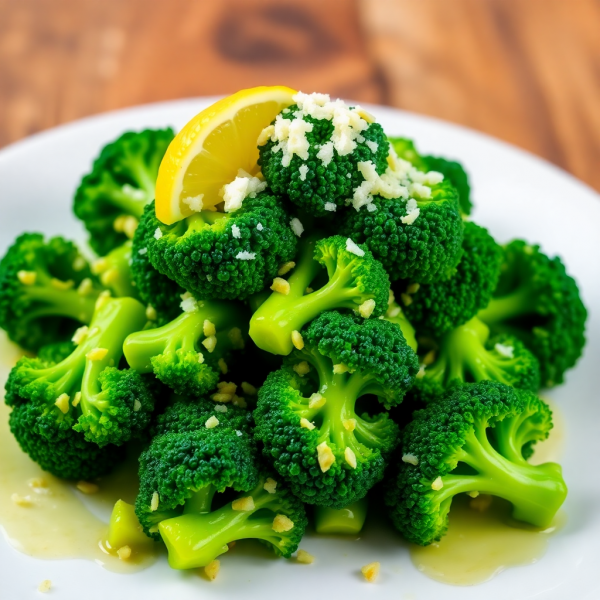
46,517
482,543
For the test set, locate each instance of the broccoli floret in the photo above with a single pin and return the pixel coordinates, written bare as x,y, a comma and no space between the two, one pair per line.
57,352
223,255
322,178
191,413
437,308
537,301
186,353
154,288
111,198
46,290
87,391
114,271
453,171
468,354
476,438
394,314
181,477
424,250
329,449
356,281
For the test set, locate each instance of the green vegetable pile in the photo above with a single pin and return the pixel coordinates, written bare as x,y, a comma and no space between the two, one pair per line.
346,328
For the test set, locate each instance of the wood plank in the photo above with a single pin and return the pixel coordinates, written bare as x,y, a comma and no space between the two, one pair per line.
527,72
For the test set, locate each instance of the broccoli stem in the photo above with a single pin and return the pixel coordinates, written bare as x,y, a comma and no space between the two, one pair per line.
347,520
184,332
274,321
198,221
194,540
52,302
536,492
522,301
114,322
124,198
201,500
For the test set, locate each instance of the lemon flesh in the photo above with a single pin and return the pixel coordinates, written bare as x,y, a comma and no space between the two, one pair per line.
209,151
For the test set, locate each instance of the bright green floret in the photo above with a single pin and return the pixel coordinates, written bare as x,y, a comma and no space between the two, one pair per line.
120,184
453,171
476,438
424,251
322,183
327,400
219,255
182,476
56,352
46,290
395,314
185,353
437,308
468,354
356,281
153,288
114,271
537,301
87,390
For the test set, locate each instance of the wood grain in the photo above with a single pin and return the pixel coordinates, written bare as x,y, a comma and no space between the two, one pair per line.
526,71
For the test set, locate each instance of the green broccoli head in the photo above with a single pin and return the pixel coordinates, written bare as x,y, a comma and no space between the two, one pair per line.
46,290
468,354
423,249
316,436
224,256
154,288
537,301
188,353
323,175
437,308
355,281
105,404
111,198
475,438
186,414
182,476
56,352
453,171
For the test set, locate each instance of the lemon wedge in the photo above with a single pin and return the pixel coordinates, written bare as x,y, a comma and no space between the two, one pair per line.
208,152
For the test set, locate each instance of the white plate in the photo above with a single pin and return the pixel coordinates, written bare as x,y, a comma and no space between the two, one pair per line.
516,195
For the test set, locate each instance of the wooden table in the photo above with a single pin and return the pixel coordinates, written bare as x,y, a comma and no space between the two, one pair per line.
526,71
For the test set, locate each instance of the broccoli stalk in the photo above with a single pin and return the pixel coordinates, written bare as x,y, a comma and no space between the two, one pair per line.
114,271
347,520
467,354
185,353
474,439
354,282
198,536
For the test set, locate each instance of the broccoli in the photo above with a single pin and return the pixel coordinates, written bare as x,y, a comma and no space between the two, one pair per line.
394,314
437,308
347,520
218,255
475,439
318,438
322,176
468,354
181,477
114,271
453,171
154,288
111,198
425,249
87,391
175,353
537,301
56,352
356,281
46,290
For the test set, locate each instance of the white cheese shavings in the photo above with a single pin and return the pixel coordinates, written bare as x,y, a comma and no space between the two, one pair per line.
158,234
260,227
330,206
195,203
372,146
245,255
325,153
353,248
297,226
242,187
411,459
303,170
235,231
506,351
